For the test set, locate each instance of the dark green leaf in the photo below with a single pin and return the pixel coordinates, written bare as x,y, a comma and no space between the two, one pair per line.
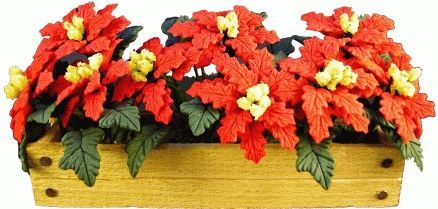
33,132
284,45
22,154
81,154
167,24
263,14
127,117
278,57
43,115
316,159
142,145
201,116
128,36
411,150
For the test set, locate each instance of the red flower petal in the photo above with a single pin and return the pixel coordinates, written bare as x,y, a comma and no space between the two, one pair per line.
116,70
235,72
262,36
116,25
315,107
206,19
157,100
85,11
98,45
168,61
232,125
71,90
204,38
278,115
285,135
217,93
253,142
185,29
262,63
154,45
95,25
19,112
108,9
69,47
55,31
321,23
93,103
69,109
125,88
377,22
45,79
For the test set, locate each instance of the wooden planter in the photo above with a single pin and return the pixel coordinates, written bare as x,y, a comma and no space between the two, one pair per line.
217,176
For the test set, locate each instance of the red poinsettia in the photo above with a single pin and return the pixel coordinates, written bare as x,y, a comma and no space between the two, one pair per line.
405,109
154,94
332,87
254,98
242,29
96,32
87,92
368,35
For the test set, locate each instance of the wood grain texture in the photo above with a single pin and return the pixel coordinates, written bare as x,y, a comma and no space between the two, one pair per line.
217,176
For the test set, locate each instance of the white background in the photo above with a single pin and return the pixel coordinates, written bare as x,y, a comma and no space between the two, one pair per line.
416,28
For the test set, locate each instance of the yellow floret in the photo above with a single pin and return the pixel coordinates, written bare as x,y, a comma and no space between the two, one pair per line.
75,29
336,73
349,24
256,111
229,23
402,80
256,101
414,74
141,64
17,83
84,70
244,103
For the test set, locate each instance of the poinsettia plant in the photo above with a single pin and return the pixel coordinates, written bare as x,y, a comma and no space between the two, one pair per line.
353,85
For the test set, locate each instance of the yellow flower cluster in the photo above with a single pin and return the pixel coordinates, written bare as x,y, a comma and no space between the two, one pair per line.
336,73
349,24
16,84
141,64
84,70
256,100
75,28
402,80
229,23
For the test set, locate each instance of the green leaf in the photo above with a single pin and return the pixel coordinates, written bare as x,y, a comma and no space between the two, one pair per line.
201,116
284,45
411,150
22,154
278,57
43,115
386,57
128,36
316,159
81,154
167,24
141,146
127,117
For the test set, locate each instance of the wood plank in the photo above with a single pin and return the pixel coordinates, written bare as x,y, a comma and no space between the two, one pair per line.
217,176
222,161
217,193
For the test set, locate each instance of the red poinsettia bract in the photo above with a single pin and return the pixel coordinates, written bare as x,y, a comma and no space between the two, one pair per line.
204,33
224,92
319,103
368,41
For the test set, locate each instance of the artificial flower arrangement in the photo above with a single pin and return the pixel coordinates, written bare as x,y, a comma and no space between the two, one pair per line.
353,85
